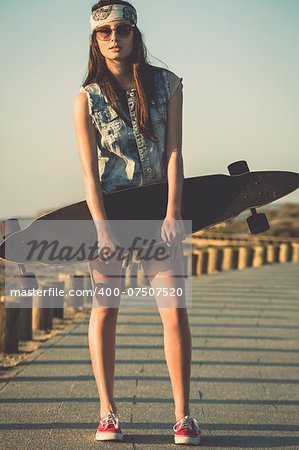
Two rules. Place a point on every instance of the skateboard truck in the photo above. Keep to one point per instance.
(26, 280)
(257, 222)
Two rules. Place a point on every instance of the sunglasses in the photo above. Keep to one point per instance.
(124, 30)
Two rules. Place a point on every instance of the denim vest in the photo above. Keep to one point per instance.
(125, 157)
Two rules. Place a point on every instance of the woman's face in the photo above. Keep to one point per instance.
(116, 48)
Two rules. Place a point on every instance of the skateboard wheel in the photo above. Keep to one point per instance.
(27, 281)
(258, 223)
(238, 168)
(8, 227)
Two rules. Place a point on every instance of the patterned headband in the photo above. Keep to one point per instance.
(110, 13)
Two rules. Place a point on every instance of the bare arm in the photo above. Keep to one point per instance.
(175, 172)
(173, 228)
(86, 139)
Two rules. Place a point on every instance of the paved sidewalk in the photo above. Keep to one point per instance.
(244, 385)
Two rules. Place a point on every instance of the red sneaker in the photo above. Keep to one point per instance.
(187, 431)
(109, 429)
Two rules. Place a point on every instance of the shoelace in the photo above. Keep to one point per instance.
(186, 422)
(110, 419)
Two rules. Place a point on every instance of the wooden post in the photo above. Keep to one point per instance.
(272, 253)
(202, 262)
(295, 252)
(78, 284)
(25, 324)
(42, 315)
(87, 286)
(58, 300)
(142, 280)
(188, 264)
(242, 263)
(214, 263)
(244, 257)
(194, 261)
(9, 328)
(228, 259)
(284, 253)
(123, 279)
(72, 283)
(259, 257)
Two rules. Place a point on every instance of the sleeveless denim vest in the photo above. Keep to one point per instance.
(125, 157)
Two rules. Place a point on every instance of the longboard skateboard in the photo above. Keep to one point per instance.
(207, 201)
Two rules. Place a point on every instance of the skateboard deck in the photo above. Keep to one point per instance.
(206, 201)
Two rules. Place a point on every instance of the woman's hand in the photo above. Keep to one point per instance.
(107, 242)
(173, 230)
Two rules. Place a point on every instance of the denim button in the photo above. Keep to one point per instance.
(149, 170)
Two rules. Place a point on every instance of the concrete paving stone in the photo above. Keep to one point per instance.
(209, 345)
(288, 415)
(248, 375)
(149, 390)
(279, 376)
(261, 440)
(21, 413)
(247, 416)
(282, 392)
(237, 313)
(242, 333)
(230, 391)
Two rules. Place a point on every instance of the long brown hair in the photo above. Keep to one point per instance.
(99, 73)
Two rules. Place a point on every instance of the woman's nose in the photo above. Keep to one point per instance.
(113, 35)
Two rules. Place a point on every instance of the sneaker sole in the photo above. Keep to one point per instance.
(109, 436)
(187, 440)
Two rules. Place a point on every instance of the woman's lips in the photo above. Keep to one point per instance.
(115, 49)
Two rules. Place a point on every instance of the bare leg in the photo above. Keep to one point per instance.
(177, 349)
(177, 335)
(101, 332)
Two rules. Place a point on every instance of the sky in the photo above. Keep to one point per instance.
(240, 68)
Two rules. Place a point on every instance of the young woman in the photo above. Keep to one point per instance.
(128, 121)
